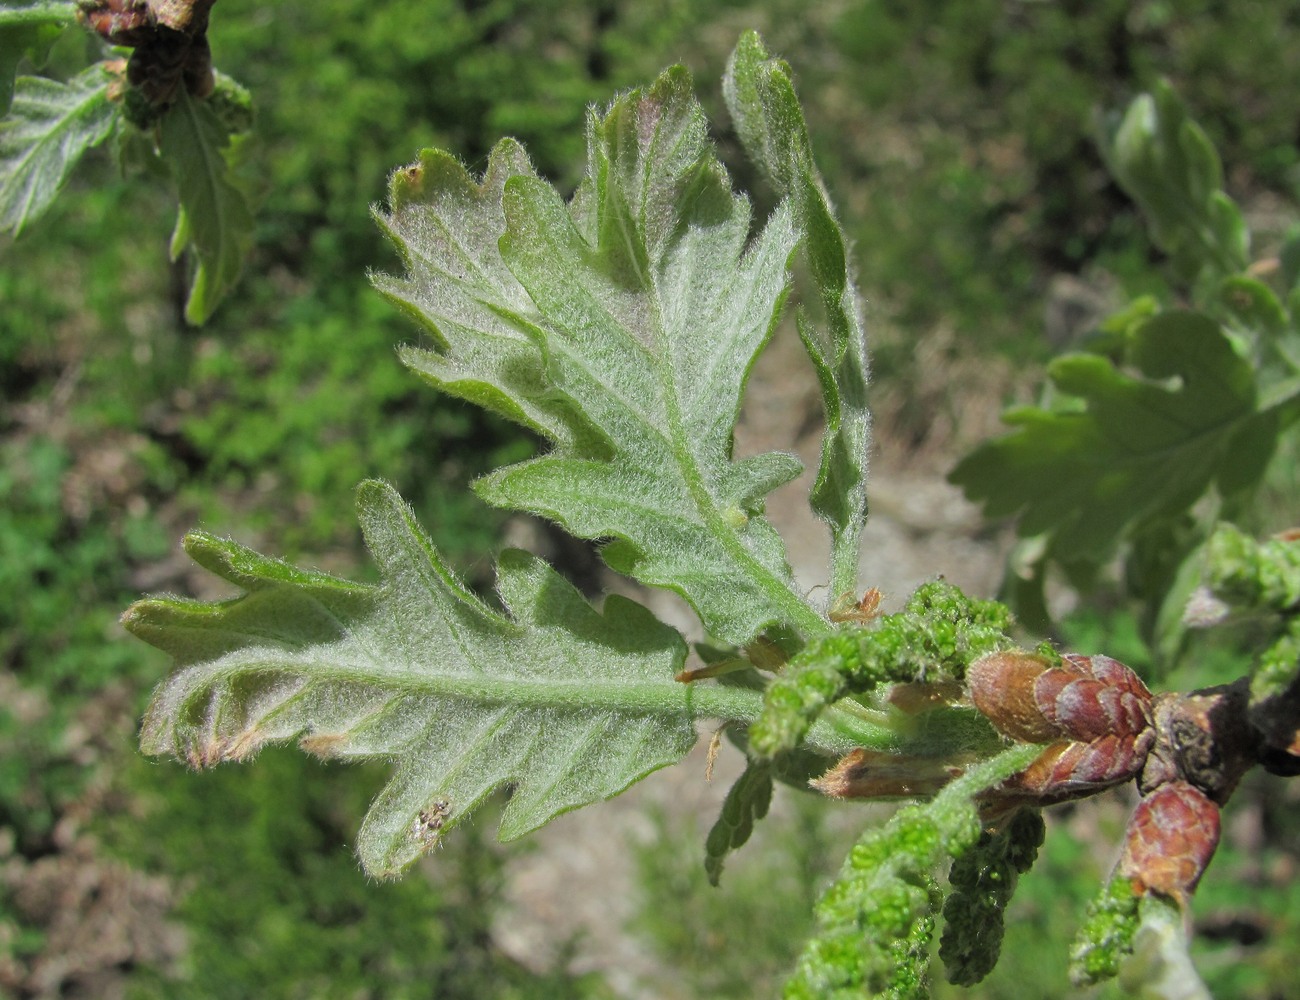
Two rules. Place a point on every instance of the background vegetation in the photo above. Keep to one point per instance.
(958, 140)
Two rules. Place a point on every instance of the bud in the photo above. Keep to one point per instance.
(1095, 712)
(1170, 840)
(119, 22)
(1084, 698)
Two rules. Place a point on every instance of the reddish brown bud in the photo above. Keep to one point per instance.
(1083, 699)
(120, 22)
(1170, 840)
(1002, 688)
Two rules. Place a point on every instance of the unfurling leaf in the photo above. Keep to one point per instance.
(49, 127)
(1164, 160)
(621, 326)
(214, 218)
(566, 705)
(760, 96)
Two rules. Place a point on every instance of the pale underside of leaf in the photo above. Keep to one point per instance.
(49, 128)
(761, 98)
(622, 326)
(561, 703)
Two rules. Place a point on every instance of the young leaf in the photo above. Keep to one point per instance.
(49, 127)
(1167, 164)
(28, 28)
(214, 217)
(567, 705)
(1143, 447)
(760, 96)
(622, 326)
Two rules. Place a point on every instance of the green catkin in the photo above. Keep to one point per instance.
(876, 922)
(1106, 937)
(936, 636)
(1251, 574)
(983, 881)
(1261, 576)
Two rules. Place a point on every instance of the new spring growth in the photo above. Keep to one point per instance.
(1245, 575)
(1106, 937)
(983, 881)
(936, 636)
(876, 921)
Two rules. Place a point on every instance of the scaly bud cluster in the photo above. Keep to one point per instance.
(171, 50)
(1094, 711)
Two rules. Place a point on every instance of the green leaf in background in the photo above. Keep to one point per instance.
(49, 127)
(28, 29)
(1143, 445)
(760, 96)
(1168, 166)
(567, 705)
(214, 218)
(623, 326)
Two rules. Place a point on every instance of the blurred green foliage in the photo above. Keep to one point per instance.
(972, 125)
(278, 908)
(958, 138)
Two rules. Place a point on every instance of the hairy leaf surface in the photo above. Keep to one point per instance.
(566, 705)
(762, 101)
(49, 127)
(621, 326)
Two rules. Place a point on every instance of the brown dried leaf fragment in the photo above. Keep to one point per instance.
(871, 774)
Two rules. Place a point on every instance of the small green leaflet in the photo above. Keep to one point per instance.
(770, 122)
(28, 29)
(622, 326)
(567, 705)
(1166, 163)
(49, 127)
(1144, 445)
(214, 217)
